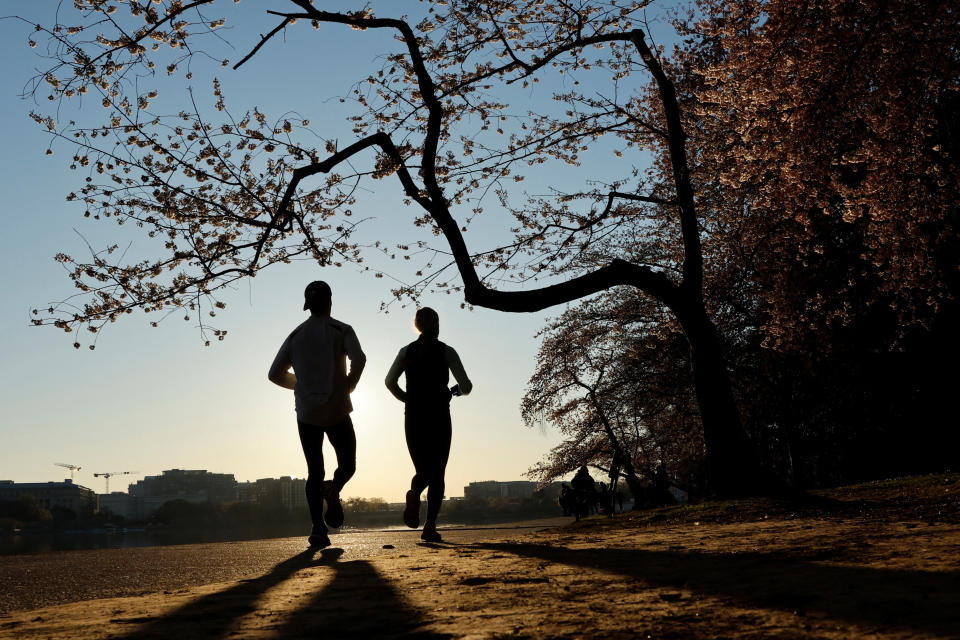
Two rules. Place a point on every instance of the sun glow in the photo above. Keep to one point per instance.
(371, 406)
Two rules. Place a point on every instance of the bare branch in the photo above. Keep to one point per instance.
(263, 41)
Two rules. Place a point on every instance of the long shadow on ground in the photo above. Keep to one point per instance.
(356, 603)
(918, 600)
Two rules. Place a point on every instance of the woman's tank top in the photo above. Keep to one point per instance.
(427, 373)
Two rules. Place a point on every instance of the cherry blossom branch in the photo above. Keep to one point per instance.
(618, 272)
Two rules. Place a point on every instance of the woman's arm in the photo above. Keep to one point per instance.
(456, 368)
(393, 376)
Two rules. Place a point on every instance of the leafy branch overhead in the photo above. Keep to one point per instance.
(229, 195)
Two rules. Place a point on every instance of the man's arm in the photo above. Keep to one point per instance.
(393, 376)
(279, 373)
(456, 368)
(358, 360)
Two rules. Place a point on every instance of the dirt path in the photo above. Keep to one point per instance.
(849, 571)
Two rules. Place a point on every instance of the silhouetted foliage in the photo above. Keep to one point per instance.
(365, 505)
(24, 509)
(828, 174)
(615, 381)
(487, 510)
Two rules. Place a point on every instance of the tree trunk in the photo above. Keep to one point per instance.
(732, 466)
(638, 490)
(633, 482)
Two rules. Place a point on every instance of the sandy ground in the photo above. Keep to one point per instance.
(876, 562)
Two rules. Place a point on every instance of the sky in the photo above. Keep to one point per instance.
(150, 399)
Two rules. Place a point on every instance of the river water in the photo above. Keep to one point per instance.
(46, 542)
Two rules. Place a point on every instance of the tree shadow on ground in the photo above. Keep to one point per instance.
(356, 602)
(924, 601)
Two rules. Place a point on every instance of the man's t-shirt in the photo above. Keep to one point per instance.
(317, 350)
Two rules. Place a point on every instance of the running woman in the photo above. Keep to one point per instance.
(427, 363)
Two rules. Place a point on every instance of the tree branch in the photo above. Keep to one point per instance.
(617, 273)
(676, 140)
(263, 41)
(168, 18)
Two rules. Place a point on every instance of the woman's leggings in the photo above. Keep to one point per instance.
(428, 434)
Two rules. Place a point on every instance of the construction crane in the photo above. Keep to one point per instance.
(72, 468)
(107, 474)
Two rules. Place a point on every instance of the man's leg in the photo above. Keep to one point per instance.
(311, 439)
(344, 441)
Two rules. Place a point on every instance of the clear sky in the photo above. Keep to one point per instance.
(149, 399)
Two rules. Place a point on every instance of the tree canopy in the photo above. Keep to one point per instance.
(823, 153)
(827, 132)
(231, 194)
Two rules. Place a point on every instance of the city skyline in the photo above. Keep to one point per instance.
(473, 484)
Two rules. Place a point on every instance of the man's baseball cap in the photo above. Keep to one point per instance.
(316, 291)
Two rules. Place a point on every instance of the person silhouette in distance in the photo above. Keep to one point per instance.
(427, 363)
(317, 351)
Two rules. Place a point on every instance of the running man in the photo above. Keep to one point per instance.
(427, 363)
(317, 351)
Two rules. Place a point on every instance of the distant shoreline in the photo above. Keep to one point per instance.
(532, 523)
(41, 542)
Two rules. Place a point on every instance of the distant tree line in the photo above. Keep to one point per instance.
(239, 514)
(488, 510)
(210, 515)
(365, 505)
(24, 510)
(361, 512)
(27, 512)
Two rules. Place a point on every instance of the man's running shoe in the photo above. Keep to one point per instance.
(318, 539)
(411, 515)
(334, 513)
(430, 533)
